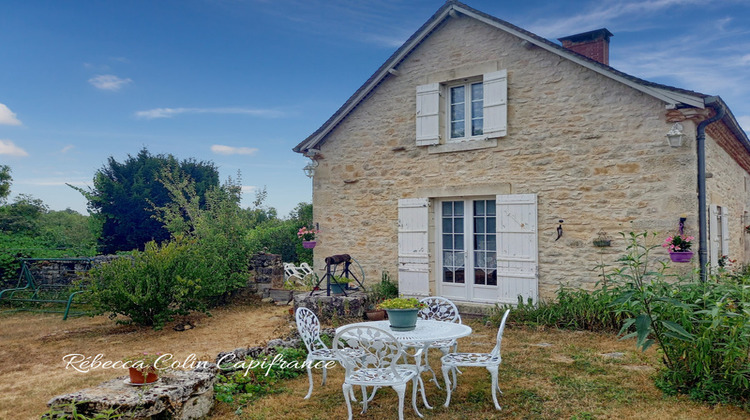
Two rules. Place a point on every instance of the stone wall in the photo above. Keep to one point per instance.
(64, 272)
(267, 271)
(592, 149)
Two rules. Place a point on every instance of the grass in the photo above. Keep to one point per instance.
(546, 373)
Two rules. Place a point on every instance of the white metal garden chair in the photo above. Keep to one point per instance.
(437, 309)
(308, 326)
(376, 366)
(491, 361)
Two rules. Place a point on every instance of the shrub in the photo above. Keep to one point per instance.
(151, 287)
(573, 309)
(702, 329)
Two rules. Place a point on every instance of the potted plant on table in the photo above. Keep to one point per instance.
(142, 368)
(307, 236)
(679, 247)
(402, 312)
(339, 284)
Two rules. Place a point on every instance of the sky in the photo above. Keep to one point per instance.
(241, 82)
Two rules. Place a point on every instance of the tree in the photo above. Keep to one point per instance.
(5, 180)
(124, 195)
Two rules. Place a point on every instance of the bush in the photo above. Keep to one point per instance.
(573, 309)
(702, 329)
(152, 286)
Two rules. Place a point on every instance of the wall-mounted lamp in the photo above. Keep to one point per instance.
(675, 135)
(310, 168)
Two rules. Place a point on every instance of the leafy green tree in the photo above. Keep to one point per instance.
(124, 195)
(5, 180)
(28, 229)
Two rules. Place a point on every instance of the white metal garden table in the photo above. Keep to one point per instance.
(426, 332)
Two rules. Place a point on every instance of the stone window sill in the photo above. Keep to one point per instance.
(462, 146)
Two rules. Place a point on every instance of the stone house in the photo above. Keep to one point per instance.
(480, 162)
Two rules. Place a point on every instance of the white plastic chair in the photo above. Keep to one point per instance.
(437, 309)
(376, 365)
(491, 361)
(308, 326)
(300, 274)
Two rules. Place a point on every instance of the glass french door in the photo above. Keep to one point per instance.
(468, 249)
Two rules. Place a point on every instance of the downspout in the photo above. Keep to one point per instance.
(700, 140)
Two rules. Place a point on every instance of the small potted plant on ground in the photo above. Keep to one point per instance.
(386, 289)
(402, 312)
(307, 236)
(339, 284)
(142, 368)
(679, 247)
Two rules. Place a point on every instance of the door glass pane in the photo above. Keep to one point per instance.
(458, 225)
(479, 225)
(479, 276)
(484, 243)
(447, 225)
(458, 208)
(479, 208)
(447, 208)
(459, 276)
(447, 275)
(492, 278)
(452, 241)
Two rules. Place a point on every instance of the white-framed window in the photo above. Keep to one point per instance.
(470, 109)
(465, 111)
(718, 233)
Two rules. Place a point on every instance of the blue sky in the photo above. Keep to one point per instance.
(241, 82)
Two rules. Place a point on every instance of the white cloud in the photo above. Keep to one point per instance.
(601, 14)
(8, 117)
(171, 112)
(744, 121)
(67, 148)
(108, 82)
(246, 189)
(229, 150)
(7, 147)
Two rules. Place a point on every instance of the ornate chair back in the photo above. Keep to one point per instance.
(374, 349)
(308, 326)
(439, 309)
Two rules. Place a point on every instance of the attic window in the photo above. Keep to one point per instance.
(465, 111)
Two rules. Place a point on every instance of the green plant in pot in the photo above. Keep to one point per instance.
(339, 284)
(385, 289)
(142, 368)
(402, 312)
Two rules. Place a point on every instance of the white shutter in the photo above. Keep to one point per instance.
(517, 253)
(725, 231)
(413, 256)
(713, 235)
(428, 111)
(496, 103)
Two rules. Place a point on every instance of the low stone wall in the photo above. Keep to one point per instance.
(183, 395)
(327, 307)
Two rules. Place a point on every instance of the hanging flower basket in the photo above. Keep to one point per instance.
(309, 244)
(681, 257)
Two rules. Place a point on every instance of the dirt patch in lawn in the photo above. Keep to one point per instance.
(32, 347)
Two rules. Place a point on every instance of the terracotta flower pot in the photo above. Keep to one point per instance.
(136, 376)
(376, 315)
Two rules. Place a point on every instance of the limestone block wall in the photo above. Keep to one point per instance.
(592, 149)
(729, 186)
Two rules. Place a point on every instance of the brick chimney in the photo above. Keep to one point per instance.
(593, 44)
